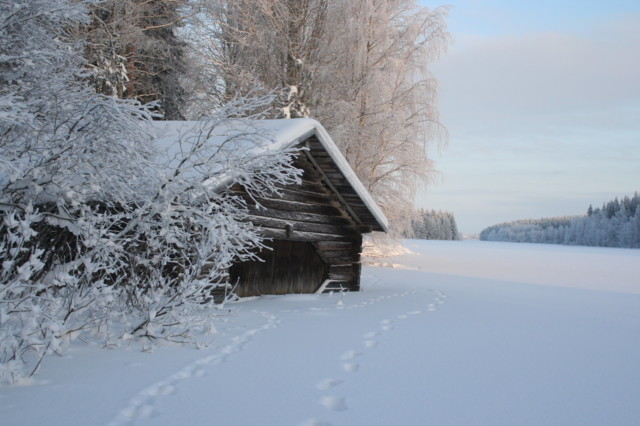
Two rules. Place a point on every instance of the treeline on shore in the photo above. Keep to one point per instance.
(615, 224)
(433, 225)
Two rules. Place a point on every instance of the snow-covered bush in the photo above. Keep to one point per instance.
(99, 235)
(177, 244)
(60, 146)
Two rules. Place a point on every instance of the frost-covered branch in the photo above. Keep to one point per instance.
(99, 232)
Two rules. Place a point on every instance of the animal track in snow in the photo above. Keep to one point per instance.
(315, 422)
(350, 367)
(349, 355)
(334, 403)
(145, 411)
(166, 390)
(144, 404)
(327, 384)
(370, 341)
(343, 302)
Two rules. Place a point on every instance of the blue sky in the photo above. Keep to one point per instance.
(542, 103)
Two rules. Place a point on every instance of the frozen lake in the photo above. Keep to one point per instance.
(456, 333)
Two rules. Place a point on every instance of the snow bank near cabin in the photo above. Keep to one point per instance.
(469, 333)
(376, 246)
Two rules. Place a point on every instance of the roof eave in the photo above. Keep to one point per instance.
(321, 134)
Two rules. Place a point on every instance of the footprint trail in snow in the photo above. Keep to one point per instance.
(144, 405)
(369, 341)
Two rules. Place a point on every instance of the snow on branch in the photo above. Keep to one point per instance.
(102, 234)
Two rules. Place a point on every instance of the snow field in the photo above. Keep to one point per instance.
(425, 342)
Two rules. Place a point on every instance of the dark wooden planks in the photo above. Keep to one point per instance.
(306, 217)
(338, 181)
(289, 267)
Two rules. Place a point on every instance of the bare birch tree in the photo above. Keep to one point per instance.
(242, 45)
(378, 98)
(361, 67)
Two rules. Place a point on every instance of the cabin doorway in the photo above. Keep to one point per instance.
(291, 267)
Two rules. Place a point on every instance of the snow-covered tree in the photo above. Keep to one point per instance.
(377, 97)
(433, 225)
(615, 224)
(360, 67)
(61, 145)
(97, 229)
(244, 44)
(133, 51)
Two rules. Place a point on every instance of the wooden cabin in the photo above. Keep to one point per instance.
(315, 229)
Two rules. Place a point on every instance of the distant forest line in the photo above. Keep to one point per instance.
(433, 225)
(615, 224)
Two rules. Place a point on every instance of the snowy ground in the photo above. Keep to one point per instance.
(459, 333)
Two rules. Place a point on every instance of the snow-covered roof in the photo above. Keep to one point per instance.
(274, 135)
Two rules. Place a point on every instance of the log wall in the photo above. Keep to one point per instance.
(289, 267)
(312, 214)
